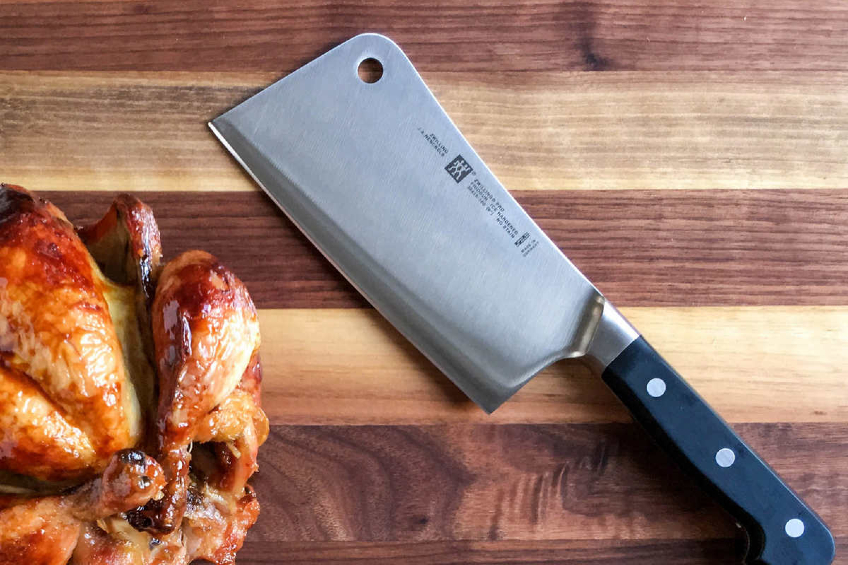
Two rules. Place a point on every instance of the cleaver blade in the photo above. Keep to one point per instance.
(379, 178)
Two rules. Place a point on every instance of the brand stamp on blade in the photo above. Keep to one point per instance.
(434, 142)
(459, 168)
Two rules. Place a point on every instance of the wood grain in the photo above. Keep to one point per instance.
(529, 35)
(755, 364)
(641, 248)
(537, 552)
(537, 131)
(515, 482)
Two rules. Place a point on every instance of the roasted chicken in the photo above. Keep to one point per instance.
(130, 416)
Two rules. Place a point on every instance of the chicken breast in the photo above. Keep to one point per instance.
(67, 398)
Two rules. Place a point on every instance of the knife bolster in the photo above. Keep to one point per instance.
(612, 336)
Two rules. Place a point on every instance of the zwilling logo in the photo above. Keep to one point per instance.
(458, 169)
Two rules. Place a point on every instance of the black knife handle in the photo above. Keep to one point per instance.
(781, 529)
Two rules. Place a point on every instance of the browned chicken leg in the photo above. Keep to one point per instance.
(206, 331)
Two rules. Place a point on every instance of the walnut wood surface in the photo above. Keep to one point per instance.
(537, 131)
(528, 35)
(536, 552)
(374, 456)
(477, 483)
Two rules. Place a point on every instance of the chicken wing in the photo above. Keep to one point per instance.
(45, 530)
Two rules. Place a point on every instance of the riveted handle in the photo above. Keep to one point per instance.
(781, 528)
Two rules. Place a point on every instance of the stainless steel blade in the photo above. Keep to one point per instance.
(380, 179)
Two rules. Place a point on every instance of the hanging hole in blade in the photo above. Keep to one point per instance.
(370, 70)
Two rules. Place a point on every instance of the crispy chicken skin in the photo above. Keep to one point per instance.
(127, 247)
(102, 348)
(45, 530)
(66, 402)
(205, 332)
(236, 428)
(95, 546)
(126, 244)
(205, 538)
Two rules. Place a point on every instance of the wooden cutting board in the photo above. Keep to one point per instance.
(701, 181)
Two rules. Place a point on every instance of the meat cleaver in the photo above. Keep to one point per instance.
(380, 179)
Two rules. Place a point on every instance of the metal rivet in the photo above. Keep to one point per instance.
(794, 528)
(725, 457)
(656, 387)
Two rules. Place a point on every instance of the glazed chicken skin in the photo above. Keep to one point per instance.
(45, 530)
(206, 334)
(130, 416)
(66, 396)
